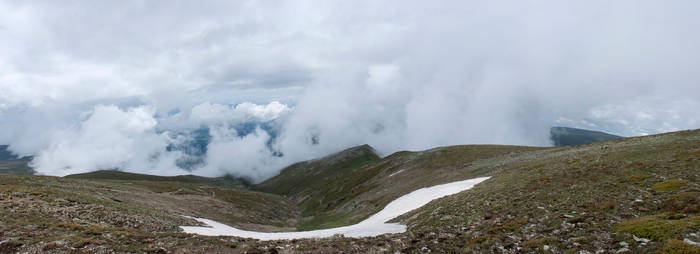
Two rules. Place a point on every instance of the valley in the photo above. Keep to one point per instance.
(637, 194)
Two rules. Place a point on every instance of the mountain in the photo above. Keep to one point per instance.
(349, 186)
(12, 164)
(6, 154)
(322, 184)
(228, 181)
(637, 195)
(565, 136)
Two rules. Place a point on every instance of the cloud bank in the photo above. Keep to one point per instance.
(248, 87)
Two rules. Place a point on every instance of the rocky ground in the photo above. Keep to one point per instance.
(637, 195)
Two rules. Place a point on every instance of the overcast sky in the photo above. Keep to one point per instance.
(88, 85)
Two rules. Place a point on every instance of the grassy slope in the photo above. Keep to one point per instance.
(590, 197)
(223, 182)
(16, 166)
(584, 199)
(319, 186)
(304, 177)
(347, 191)
(35, 207)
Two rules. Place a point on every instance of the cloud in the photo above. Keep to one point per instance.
(109, 138)
(228, 153)
(244, 112)
(306, 78)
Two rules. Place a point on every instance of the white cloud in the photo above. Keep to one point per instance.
(241, 156)
(108, 138)
(394, 74)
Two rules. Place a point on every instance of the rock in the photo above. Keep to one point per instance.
(642, 240)
(545, 247)
(623, 250)
(691, 242)
(624, 244)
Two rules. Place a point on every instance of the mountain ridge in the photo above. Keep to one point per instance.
(594, 197)
(567, 136)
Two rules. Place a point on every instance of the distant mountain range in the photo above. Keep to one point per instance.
(6, 154)
(195, 149)
(12, 164)
(565, 136)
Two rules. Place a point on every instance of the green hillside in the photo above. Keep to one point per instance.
(636, 195)
(333, 192)
(16, 166)
(227, 181)
(595, 197)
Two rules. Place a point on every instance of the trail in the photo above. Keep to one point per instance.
(372, 226)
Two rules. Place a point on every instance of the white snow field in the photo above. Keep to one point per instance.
(372, 226)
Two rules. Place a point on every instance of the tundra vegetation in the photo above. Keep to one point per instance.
(637, 195)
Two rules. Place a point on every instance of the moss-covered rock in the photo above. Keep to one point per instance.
(638, 177)
(679, 247)
(656, 228)
(670, 185)
(684, 202)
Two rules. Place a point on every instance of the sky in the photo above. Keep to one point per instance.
(88, 85)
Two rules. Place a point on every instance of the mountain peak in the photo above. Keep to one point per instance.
(348, 154)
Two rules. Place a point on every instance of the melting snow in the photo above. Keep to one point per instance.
(372, 226)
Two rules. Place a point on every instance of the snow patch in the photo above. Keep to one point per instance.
(372, 226)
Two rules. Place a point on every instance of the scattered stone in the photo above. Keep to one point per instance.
(624, 244)
(545, 247)
(623, 250)
(639, 239)
(688, 241)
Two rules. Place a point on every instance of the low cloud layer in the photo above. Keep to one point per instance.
(90, 85)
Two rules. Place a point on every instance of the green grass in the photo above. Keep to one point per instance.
(679, 247)
(684, 202)
(638, 178)
(669, 185)
(16, 166)
(579, 194)
(334, 192)
(572, 199)
(222, 182)
(655, 228)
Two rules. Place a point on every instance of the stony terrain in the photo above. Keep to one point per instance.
(635, 195)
